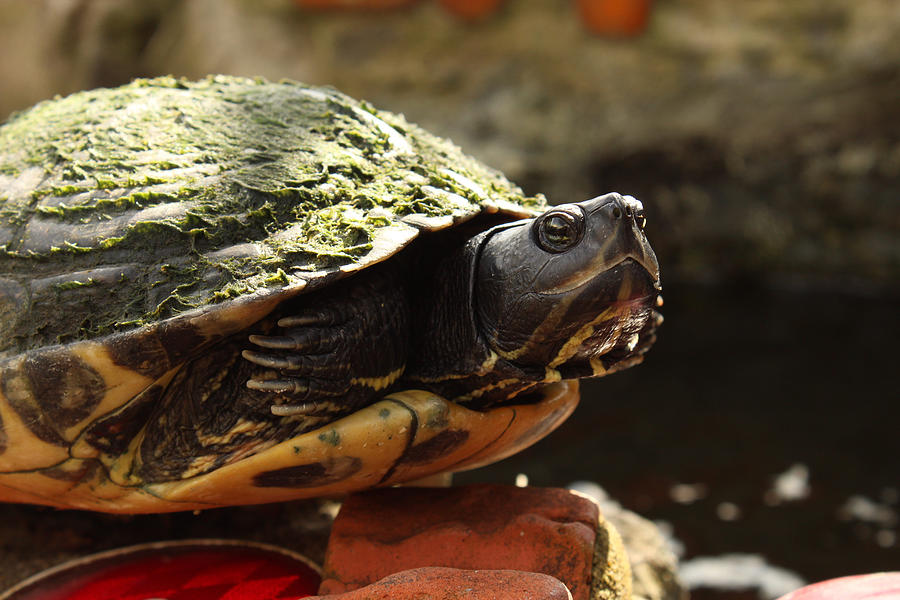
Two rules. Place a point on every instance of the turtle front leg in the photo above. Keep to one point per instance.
(337, 354)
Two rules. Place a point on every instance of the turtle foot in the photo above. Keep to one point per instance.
(334, 354)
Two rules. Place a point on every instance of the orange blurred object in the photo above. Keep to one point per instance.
(608, 17)
(471, 10)
(354, 4)
(615, 17)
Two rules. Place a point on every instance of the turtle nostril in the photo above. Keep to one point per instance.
(616, 212)
(640, 219)
(627, 210)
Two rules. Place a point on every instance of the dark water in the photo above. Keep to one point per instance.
(742, 385)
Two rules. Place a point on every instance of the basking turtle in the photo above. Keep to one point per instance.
(217, 293)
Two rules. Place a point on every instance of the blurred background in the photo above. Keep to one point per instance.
(764, 140)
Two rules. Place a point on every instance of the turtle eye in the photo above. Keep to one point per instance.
(559, 230)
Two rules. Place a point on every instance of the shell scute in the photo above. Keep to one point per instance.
(174, 176)
(113, 433)
(311, 475)
(52, 392)
(146, 226)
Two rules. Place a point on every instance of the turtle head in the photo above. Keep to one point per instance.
(573, 289)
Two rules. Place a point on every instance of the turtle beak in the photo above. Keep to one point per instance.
(624, 227)
(638, 247)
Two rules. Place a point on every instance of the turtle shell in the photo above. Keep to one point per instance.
(141, 225)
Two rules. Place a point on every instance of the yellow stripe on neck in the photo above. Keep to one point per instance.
(379, 383)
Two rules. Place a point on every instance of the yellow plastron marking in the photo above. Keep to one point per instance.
(379, 383)
(25, 451)
(374, 441)
(368, 448)
(81, 448)
(123, 384)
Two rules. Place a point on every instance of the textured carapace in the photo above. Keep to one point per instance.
(233, 291)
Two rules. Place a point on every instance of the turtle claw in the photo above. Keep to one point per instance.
(334, 315)
(279, 386)
(307, 364)
(299, 387)
(299, 321)
(307, 341)
(290, 410)
(274, 342)
(263, 360)
(288, 362)
(334, 355)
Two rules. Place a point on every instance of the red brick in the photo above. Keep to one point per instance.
(539, 530)
(441, 583)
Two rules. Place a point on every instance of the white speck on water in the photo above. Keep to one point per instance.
(886, 538)
(521, 480)
(668, 533)
(864, 509)
(739, 572)
(688, 493)
(728, 511)
(790, 486)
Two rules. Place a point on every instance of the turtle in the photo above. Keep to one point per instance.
(235, 291)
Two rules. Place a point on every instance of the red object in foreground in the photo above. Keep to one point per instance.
(474, 527)
(877, 586)
(185, 570)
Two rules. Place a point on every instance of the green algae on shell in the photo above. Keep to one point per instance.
(123, 207)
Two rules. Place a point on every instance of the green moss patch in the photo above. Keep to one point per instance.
(165, 175)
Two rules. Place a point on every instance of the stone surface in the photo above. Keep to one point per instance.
(541, 530)
(654, 566)
(441, 583)
(876, 586)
